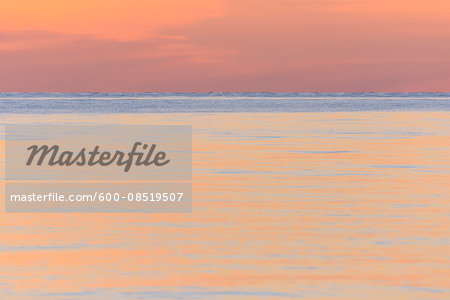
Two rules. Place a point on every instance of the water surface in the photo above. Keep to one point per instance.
(295, 196)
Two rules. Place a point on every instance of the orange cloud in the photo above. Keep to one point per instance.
(225, 45)
(104, 18)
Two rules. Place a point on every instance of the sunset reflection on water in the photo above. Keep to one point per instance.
(289, 205)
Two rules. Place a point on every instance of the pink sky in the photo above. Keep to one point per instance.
(224, 45)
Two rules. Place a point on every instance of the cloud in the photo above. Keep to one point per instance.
(125, 20)
(223, 45)
(44, 61)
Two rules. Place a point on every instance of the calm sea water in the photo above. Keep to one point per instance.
(316, 196)
(50, 103)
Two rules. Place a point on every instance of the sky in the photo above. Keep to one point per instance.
(225, 46)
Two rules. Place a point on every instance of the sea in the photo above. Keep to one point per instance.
(295, 196)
